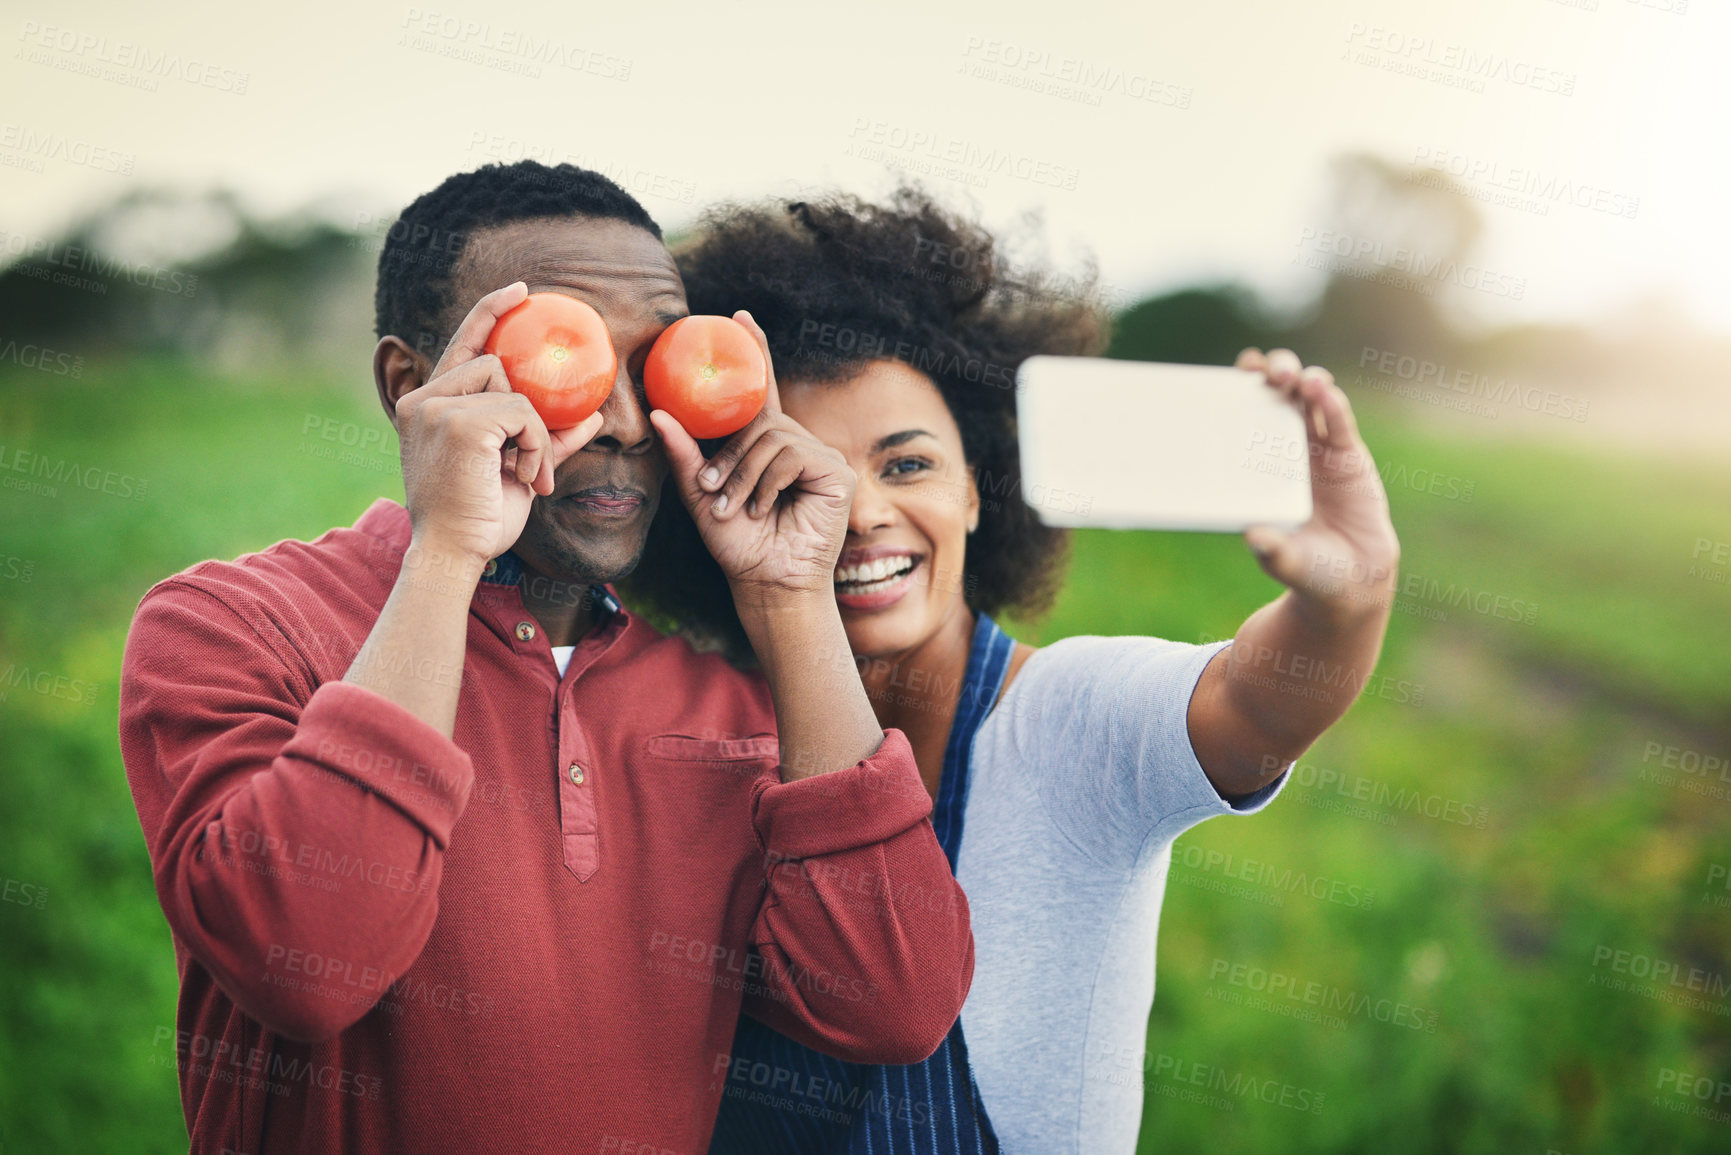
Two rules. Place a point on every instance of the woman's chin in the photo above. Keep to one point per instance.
(882, 635)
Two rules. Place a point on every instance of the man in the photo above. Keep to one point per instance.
(460, 855)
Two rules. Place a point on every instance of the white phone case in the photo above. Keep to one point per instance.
(1140, 445)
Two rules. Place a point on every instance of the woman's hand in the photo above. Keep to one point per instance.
(1344, 559)
(771, 505)
(1297, 664)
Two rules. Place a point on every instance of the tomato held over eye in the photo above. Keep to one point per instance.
(556, 352)
(709, 373)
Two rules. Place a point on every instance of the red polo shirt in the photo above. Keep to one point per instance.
(536, 937)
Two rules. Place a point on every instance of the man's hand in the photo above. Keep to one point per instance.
(1342, 561)
(772, 504)
(474, 452)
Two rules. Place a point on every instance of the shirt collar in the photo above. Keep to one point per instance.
(387, 521)
(507, 570)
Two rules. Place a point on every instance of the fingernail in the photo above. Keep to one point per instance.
(710, 476)
(720, 505)
(751, 507)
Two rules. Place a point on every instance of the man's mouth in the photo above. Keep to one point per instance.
(872, 579)
(607, 500)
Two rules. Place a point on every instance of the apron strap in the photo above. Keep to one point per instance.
(925, 1108)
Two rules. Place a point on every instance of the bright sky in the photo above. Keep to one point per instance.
(1183, 140)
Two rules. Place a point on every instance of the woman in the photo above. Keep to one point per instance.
(895, 332)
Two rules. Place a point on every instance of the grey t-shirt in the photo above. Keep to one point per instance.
(1081, 779)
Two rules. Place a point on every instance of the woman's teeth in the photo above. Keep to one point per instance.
(873, 575)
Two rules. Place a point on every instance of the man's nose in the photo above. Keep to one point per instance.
(625, 418)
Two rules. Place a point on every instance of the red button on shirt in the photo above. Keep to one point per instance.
(535, 937)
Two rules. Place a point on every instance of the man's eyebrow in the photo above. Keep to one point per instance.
(891, 440)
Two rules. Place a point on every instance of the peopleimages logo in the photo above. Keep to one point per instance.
(1327, 998)
(1458, 65)
(504, 49)
(41, 358)
(732, 967)
(1266, 874)
(1527, 186)
(24, 894)
(136, 65)
(1390, 799)
(35, 147)
(805, 1093)
(1420, 271)
(1066, 77)
(231, 1061)
(872, 139)
(254, 844)
(46, 683)
(1423, 372)
(854, 345)
(1661, 979)
(1157, 1067)
(61, 263)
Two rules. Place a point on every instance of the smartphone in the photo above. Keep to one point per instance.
(1140, 445)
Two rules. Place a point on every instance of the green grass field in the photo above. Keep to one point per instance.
(1485, 831)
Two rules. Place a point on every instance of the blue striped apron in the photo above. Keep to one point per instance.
(808, 1103)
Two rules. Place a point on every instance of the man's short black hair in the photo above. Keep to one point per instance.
(413, 296)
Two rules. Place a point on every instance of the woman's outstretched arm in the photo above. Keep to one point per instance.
(1299, 662)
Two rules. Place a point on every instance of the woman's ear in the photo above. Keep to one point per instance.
(973, 500)
(397, 369)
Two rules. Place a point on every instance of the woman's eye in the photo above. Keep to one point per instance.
(905, 465)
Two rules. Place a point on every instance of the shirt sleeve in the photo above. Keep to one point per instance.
(293, 829)
(1107, 721)
(864, 932)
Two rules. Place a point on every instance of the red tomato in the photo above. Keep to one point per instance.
(556, 352)
(709, 373)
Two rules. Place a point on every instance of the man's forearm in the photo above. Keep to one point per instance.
(1293, 669)
(909, 948)
(414, 654)
(247, 777)
(822, 714)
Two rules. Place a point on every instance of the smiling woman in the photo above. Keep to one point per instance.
(1072, 768)
(912, 292)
